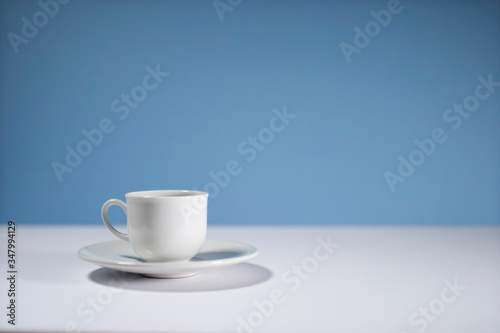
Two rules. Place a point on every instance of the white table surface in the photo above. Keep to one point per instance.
(376, 280)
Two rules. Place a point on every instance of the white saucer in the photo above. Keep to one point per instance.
(121, 256)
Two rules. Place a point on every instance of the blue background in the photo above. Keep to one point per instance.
(327, 166)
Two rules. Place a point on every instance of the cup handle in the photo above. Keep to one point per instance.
(104, 213)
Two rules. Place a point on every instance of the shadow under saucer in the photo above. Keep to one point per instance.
(224, 278)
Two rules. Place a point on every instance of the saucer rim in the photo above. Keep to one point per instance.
(198, 265)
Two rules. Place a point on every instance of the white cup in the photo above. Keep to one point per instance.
(167, 225)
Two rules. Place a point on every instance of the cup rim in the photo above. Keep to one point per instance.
(165, 194)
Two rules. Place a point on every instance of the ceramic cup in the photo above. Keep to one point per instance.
(167, 225)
